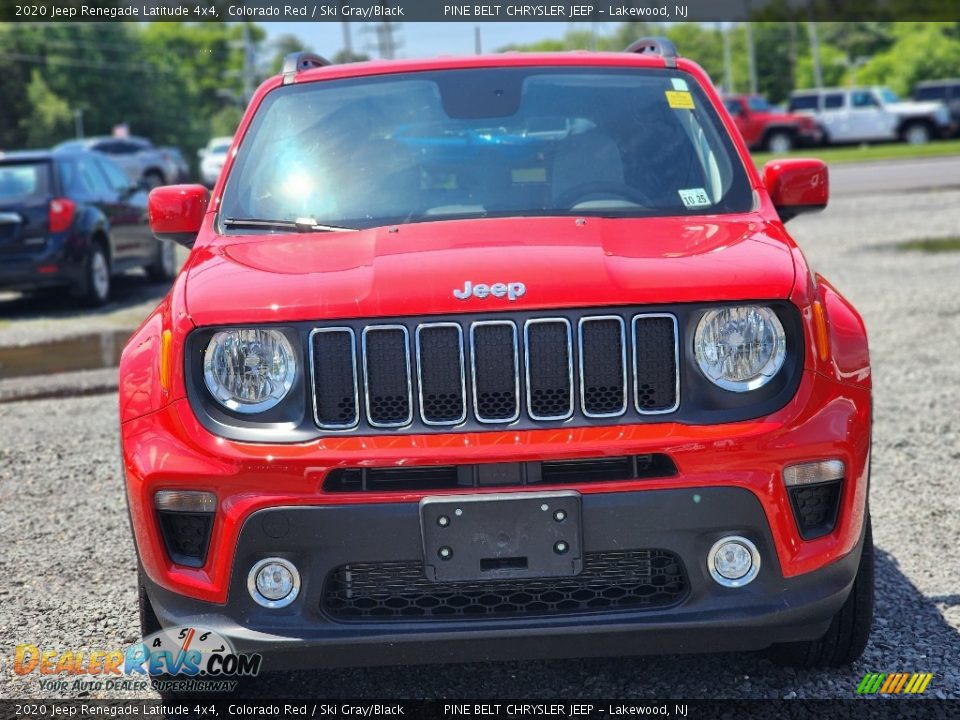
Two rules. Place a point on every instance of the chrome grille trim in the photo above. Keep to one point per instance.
(623, 361)
(516, 371)
(463, 373)
(676, 363)
(366, 374)
(313, 379)
(526, 363)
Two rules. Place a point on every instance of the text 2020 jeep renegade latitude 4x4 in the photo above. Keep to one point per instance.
(498, 357)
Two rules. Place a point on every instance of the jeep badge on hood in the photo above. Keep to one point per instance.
(511, 291)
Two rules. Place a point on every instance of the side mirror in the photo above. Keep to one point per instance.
(176, 212)
(797, 186)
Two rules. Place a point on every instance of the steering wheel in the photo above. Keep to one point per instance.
(581, 193)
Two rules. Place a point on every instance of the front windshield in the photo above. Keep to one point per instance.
(220, 149)
(758, 104)
(887, 96)
(486, 143)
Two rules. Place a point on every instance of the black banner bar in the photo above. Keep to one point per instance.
(473, 12)
(217, 709)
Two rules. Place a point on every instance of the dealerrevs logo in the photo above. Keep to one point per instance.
(178, 658)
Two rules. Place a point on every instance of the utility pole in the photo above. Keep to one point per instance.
(727, 57)
(249, 64)
(477, 43)
(815, 53)
(387, 44)
(814, 46)
(78, 123)
(751, 53)
(347, 42)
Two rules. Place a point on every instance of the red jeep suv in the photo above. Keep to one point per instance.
(765, 128)
(493, 357)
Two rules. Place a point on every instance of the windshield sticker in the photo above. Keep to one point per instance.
(679, 84)
(679, 100)
(694, 197)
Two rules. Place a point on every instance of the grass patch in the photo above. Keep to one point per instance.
(931, 245)
(868, 153)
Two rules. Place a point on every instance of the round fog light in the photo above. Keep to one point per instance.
(733, 561)
(274, 582)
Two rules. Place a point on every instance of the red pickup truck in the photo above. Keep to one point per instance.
(764, 128)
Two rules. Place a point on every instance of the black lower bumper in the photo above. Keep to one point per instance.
(685, 522)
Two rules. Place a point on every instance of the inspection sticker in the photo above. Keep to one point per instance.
(679, 100)
(694, 197)
(679, 84)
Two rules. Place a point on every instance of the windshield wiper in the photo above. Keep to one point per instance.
(299, 225)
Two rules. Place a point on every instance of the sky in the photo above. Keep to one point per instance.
(426, 39)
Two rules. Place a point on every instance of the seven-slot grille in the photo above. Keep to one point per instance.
(493, 372)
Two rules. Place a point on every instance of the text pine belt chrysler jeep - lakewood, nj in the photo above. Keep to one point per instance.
(499, 357)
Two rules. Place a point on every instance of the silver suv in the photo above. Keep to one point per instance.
(854, 115)
(137, 156)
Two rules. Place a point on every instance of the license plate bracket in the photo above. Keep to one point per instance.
(501, 536)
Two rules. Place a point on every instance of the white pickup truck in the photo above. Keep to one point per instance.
(855, 115)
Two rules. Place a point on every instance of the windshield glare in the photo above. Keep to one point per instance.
(486, 143)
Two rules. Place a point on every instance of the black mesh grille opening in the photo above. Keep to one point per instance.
(495, 371)
(186, 536)
(602, 367)
(388, 376)
(656, 360)
(630, 467)
(623, 580)
(548, 370)
(815, 508)
(387, 479)
(558, 472)
(333, 378)
(441, 374)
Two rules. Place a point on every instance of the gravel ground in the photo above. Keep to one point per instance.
(68, 567)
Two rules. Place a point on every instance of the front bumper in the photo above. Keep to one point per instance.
(734, 468)
(686, 521)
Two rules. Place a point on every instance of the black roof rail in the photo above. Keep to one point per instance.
(656, 46)
(298, 61)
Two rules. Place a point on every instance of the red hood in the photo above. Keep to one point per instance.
(414, 270)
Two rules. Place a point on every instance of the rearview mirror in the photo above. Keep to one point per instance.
(797, 186)
(176, 212)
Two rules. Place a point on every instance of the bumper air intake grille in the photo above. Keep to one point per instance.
(186, 536)
(452, 477)
(815, 507)
(610, 581)
(477, 374)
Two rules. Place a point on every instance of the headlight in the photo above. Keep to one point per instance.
(249, 370)
(740, 348)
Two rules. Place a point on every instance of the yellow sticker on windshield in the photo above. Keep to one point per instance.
(679, 100)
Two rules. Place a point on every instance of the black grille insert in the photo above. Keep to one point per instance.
(655, 363)
(603, 367)
(616, 580)
(451, 477)
(549, 369)
(815, 507)
(386, 365)
(335, 377)
(440, 365)
(495, 371)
